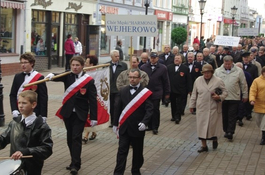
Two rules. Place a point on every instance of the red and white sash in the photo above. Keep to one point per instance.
(74, 88)
(34, 76)
(133, 105)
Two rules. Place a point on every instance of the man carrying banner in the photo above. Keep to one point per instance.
(133, 111)
(29, 75)
(80, 95)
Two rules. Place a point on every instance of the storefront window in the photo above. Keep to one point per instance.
(70, 25)
(7, 33)
(38, 33)
(226, 29)
(104, 43)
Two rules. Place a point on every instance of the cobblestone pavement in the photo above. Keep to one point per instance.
(172, 152)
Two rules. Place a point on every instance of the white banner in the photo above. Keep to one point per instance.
(248, 32)
(131, 25)
(101, 77)
(226, 40)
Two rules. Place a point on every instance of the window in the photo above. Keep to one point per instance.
(70, 25)
(7, 38)
(38, 33)
(105, 40)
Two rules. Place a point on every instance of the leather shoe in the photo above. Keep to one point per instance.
(203, 149)
(177, 121)
(68, 167)
(155, 131)
(229, 136)
(262, 142)
(111, 125)
(73, 171)
(225, 136)
(172, 119)
(248, 117)
(240, 123)
(215, 144)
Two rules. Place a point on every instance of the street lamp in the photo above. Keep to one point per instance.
(233, 11)
(202, 5)
(146, 4)
(255, 14)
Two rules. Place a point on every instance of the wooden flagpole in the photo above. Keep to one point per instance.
(65, 73)
(23, 157)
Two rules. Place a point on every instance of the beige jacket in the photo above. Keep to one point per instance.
(235, 82)
(123, 79)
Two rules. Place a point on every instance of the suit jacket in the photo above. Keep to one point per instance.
(169, 60)
(220, 59)
(120, 52)
(236, 56)
(211, 61)
(252, 69)
(261, 60)
(113, 76)
(180, 81)
(142, 114)
(158, 80)
(185, 57)
(81, 102)
(195, 71)
(42, 106)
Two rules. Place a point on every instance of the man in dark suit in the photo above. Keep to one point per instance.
(80, 97)
(132, 122)
(159, 85)
(235, 54)
(167, 56)
(261, 56)
(196, 49)
(253, 70)
(209, 58)
(195, 71)
(184, 52)
(116, 67)
(220, 56)
(200, 59)
(118, 47)
(29, 75)
(254, 50)
(144, 59)
(180, 83)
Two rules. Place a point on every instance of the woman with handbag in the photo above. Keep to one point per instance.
(208, 92)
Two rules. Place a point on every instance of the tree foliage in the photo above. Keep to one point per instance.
(179, 35)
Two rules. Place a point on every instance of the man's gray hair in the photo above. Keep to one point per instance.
(191, 53)
(228, 58)
(136, 70)
(113, 51)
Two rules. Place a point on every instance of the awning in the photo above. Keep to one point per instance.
(12, 4)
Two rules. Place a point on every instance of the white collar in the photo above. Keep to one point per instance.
(30, 119)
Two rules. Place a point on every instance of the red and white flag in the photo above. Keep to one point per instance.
(101, 77)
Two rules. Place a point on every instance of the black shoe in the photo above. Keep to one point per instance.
(84, 140)
(215, 144)
(203, 149)
(155, 131)
(177, 121)
(262, 142)
(172, 119)
(240, 123)
(111, 125)
(166, 104)
(93, 136)
(248, 117)
(182, 113)
(229, 136)
(225, 136)
(74, 171)
(193, 113)
(68, 167)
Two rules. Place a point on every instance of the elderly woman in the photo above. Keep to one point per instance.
(208, 92)
(257, 98)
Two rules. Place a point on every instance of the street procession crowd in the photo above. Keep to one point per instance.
(219, 84)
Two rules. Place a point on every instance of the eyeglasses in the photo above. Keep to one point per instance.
(133, 77)
(26, 62)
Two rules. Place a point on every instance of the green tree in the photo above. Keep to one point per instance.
(179, 35)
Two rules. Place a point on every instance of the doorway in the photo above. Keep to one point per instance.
(55, 45)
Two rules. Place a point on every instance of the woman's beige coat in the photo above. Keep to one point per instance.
(208, 111)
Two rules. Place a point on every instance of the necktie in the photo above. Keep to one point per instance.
(190, 63)
(23, 123)
(76, 76)
(133, 87)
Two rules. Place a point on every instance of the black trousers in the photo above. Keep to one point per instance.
(155, 119)
(241, 110)
(229, 109)
(75, 128)
(137, 157)
(176, 105)
(184, 102)
(112, 101)
(67, 61)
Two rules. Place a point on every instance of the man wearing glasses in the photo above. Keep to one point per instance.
(29, 75)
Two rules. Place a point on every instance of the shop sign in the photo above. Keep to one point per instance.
(162, 15)
(226, 40)
(108, 10)
(131, 25)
